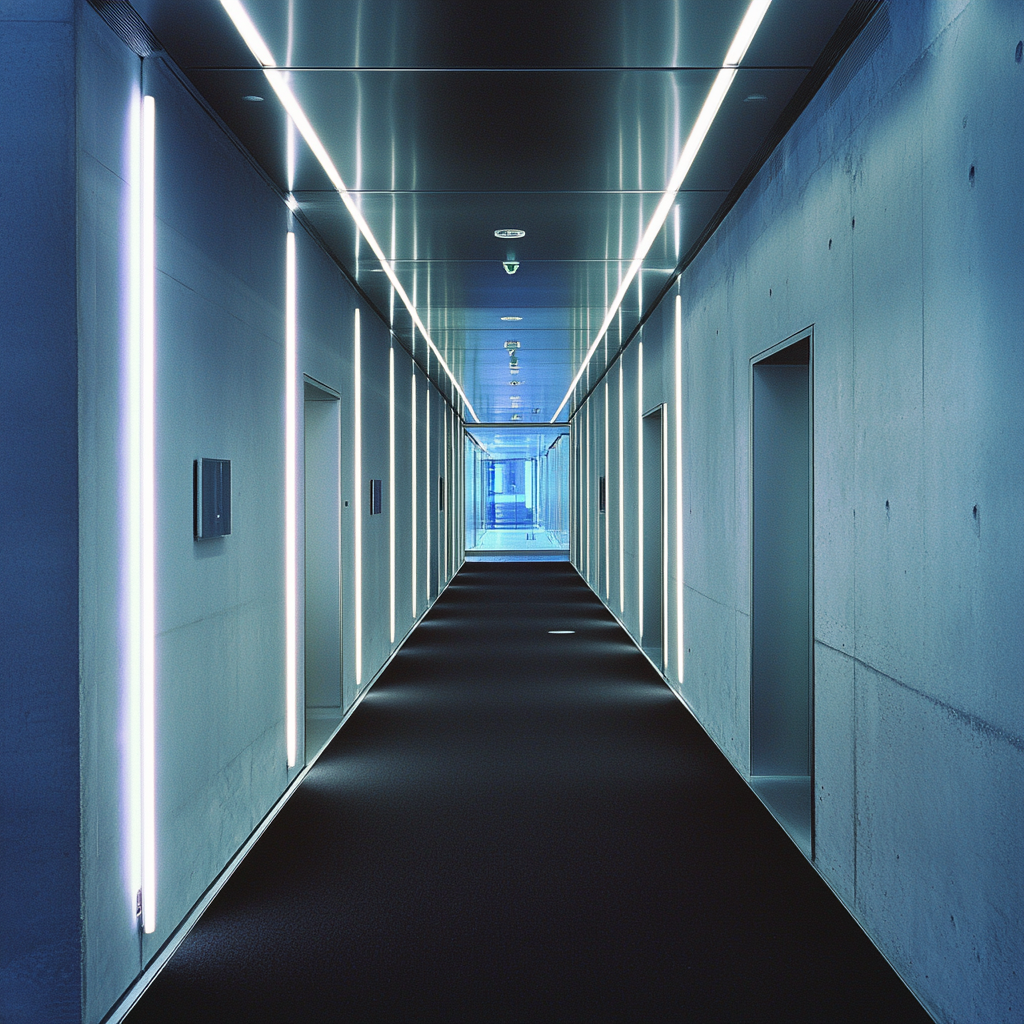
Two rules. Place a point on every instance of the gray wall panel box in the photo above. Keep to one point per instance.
(212, 505)
(375, 497)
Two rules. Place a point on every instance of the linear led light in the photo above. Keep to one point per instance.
(720, 87)
(412, 516)
(147, 495)
(640, 487)
(622, 502)
(607, 504)
(391, 483)
(680, 646)
(279, 82)
(426, 494)
(291, 530)
(357, 357)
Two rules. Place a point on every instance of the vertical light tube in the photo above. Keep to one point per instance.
(680, 645)
(358, 491)
(640, 484)
(622, 497)
(133, 518)
(607, 503)
(147, 524)
(413, 518)
(291, 497)
(428, 493)
(587, 497)
(443, 576)
(391, 483)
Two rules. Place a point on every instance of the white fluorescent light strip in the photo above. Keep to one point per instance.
(748, 27)
(147, 553)
(391, 483)
(426, 495)
(291, 530)
(622, 502)
(607, 503)
(360, 494)
(278, 82)
(680, 645)
(134, 521)
(640, 487)
(412, 515)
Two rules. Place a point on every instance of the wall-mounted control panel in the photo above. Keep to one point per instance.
(211, 483)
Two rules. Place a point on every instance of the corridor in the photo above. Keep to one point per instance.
(518, 824)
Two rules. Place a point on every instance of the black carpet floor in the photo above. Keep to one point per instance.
(519, 826)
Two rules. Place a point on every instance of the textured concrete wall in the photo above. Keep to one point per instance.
(890, 221)
(221, 761)
(39, 857)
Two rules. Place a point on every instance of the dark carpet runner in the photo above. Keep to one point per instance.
(519, 826)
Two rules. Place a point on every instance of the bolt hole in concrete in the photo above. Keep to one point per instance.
(970, 176)
(1018, 55)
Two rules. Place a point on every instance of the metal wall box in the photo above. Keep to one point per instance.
(211, 514)
(375, 497)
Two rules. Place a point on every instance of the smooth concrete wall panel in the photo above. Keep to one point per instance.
(973, 370)
(939, 848)
(887, 296)
(915, 309)
(39, 693)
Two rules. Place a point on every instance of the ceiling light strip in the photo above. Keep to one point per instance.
(723, 80)
(278, 81)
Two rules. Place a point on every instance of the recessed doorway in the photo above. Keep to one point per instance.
(652, 617)
(322, 520)
(782, 565)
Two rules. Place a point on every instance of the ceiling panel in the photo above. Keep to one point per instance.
(448, 119)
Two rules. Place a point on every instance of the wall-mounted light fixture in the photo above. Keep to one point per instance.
(291, 497)
(357, 368)
(680, 644)
(147, 568)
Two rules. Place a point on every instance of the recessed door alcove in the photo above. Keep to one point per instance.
(653, 526)
(781, 579)
(322, 521)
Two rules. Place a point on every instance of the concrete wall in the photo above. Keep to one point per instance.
(890, 222)
(39, 576)
(221, 232)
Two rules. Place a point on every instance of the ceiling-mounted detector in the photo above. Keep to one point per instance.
(511, 345)
(515, 383)
(509, 233)
(511, 266)
(511, 318)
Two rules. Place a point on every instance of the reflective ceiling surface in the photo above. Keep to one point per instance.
(448, 120)
(510, 443)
